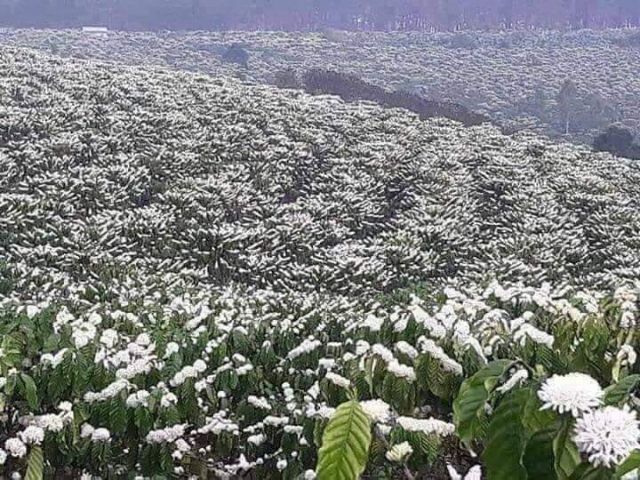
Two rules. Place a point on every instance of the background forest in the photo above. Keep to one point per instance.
(313, 14)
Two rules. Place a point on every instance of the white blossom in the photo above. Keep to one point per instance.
(427, 426)
(15, 447)
(378, 410)
(399, 452)
(338, 380)
(607, 436)
(32, 435)
(574, 393)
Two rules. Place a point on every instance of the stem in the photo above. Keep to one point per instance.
(407, 473)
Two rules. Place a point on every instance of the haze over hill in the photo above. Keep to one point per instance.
(568, 85)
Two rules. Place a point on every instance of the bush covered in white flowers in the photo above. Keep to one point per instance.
(202, 278)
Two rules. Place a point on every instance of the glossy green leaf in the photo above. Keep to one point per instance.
(470, 401)
(619, 392)
(629, 465)
(566, 456)
(345, 444)
(538, 455)
(506, 439)
(30, 391)
(35, 464)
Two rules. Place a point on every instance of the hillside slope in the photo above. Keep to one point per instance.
(109, 167)
(195, 274)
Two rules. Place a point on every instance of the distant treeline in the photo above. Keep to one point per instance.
(405, 15)
(351, 88)
(616, 139)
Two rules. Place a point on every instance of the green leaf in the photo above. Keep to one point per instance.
(619, 392)
(535, 419)
(433, 377)
(30, 391)
(566, 456)
(117, 416)
(588, 472)
(506, 439)
(629, 465)
(427, 445)
(474, 392)
(10, 386)
(345, 444)
(538, 454)
(35, 464)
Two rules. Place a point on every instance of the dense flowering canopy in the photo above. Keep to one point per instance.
(197, 271)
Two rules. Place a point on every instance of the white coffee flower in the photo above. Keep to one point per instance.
(407, 349)
(166, 435)
(474, 473)
(168, 400)
(528, 331)
(338, 380)
(383, 352)
(378, 410)
(32, 435)
(399, 452)
(172, 347)
(427, 426)
(607, 436)
(138, 399)
(109, 338)
(50, 421)
(143, 340)
(516, 379)
(306, 346)
(15, 447)
(257, 439)
(258, 402)
(200, 366)
(575, 392)
(399, 370)
(86, 430)
(627, 355)
(182, 445)
(101, 435)
(373, 323)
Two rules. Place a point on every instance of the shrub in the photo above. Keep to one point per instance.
(617, 140)
(236, 54)
(287, 78)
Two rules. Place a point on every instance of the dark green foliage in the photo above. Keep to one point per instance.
(619, 141)
(351, 88)
(236, 54)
